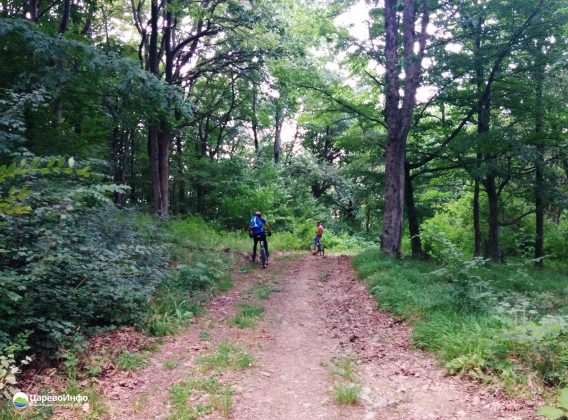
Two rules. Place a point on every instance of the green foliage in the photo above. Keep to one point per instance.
(77, 265)
(9, 368)
(72, 266)
(96, 363)
(554, 413)
(195, 232)
(11, 202)
(131, 361)
(76, 75)
(180, 294)
(555, 238)
(235, 191)
(480, 320)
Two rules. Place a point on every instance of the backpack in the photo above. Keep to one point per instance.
(256, 224)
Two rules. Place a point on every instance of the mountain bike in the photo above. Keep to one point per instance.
(263, 251)
(317, 250)
(263, 254)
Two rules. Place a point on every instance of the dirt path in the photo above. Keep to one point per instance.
(319, 314)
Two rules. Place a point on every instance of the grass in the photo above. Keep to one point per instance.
(346, 388)
(227, 357)
(217, 397)
(96, 401)
(96, 363)
(223, 400)
(153, 346)
(346, 393)
(247, 314)
(131, 361)
(343, 367)
(170, 364)
(141, 403)
(204, 336)
(7, 412)
(261, 291)
(247, 267)
(484, 321)
(208, 393)
(194, 232)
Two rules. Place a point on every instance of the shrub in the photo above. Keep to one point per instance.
(180, 294)
(73, 265)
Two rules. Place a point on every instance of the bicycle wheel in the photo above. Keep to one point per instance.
(313, 249)
(263, 256)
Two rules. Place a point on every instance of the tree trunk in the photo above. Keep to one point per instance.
(398, 113)
(255, 123)
(58, 106)
(118, 150)
(291, 146)
(391, 239)
(154, 136)
(132, 167)
(539, 184)
(203, 133)
(413, 223)
(33, 10)
(477, 248)
(63, 23)
(539, 208)
(494, 247)
(278, 121)
(164, 139)
(180, 172)
(153, 153)
(482, 126)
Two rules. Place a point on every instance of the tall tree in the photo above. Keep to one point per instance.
(398, 111)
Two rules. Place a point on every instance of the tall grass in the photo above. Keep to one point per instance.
(194, 232)
(482, 320)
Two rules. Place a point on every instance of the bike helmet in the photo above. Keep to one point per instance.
(257, 213)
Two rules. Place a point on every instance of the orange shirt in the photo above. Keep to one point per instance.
(319, 230)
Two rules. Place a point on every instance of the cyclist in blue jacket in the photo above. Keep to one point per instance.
(258, 233)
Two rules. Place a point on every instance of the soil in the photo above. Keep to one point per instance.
(318, 312)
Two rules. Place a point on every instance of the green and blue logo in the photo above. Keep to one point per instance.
(20, 400)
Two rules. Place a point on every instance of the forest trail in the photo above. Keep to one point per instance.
(320, 328)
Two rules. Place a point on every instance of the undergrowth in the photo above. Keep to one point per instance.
(481, 320)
